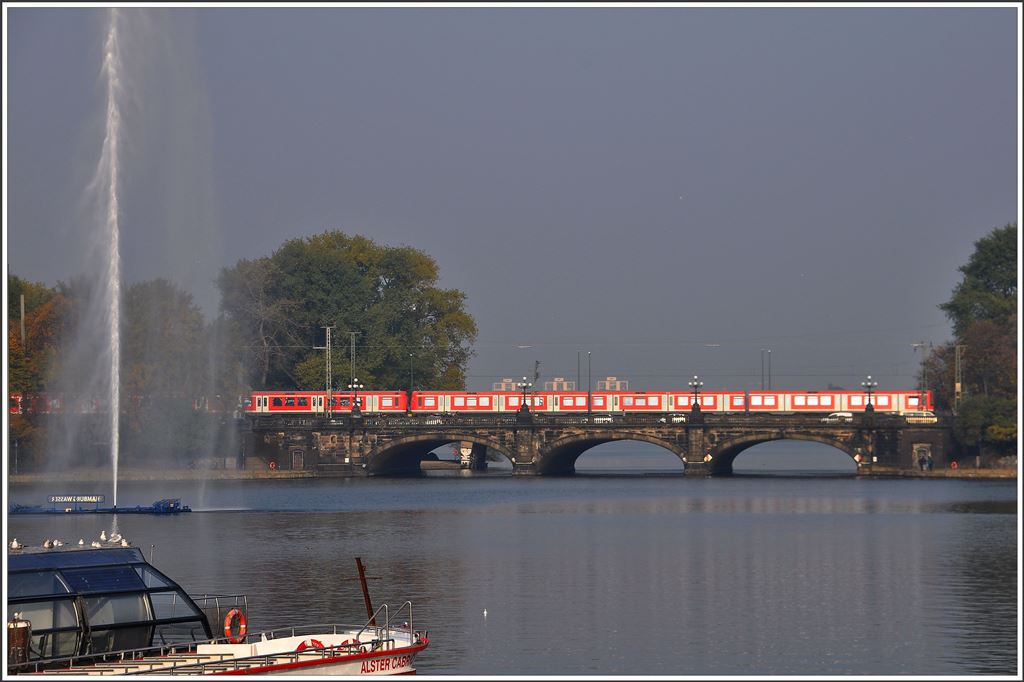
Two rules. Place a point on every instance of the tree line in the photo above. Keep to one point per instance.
(974, 375)
(268, 334)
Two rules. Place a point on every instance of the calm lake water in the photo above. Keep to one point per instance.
(609, 574)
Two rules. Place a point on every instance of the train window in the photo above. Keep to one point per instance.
(459, 402)
(277, 402)
(882, 400)
(345, 402)
(627, 401)
(289, 402)
(471, 402)
(769, 401)
(429, 401)
(303, 402)
(599, 401)
(387, 402)
(485, 401)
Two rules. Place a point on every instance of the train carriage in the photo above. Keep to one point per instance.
(568, 402)
(315, 402)
(683, 402)
(642, 401)
(540, 402)
(472, 402)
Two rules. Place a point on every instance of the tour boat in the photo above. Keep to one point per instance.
(72, 504)
(80, 610)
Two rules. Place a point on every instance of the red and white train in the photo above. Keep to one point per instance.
(486, 402)
(575, 402)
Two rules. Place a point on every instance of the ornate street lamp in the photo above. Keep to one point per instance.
(354, 387)
(869, 388)
(695, 385)
(524, 386)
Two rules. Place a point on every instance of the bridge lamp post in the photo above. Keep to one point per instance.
(354, 387)
(524, 386)
(869, 388)
(695, 385)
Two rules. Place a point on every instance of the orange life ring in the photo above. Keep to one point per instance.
(310, 644)
(273, 465)
(229, 620)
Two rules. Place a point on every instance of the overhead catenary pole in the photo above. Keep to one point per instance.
(327, 368)
(589, 393)
(352, 372)
(959, 378)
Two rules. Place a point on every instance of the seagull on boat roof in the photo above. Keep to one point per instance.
(47, 544)
(125, 543)
(96, 543)
(103, 535)
(58, 543)
(81, 541)
(15, 544)
(116, 537)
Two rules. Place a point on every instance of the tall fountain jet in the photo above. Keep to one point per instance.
(107, 179)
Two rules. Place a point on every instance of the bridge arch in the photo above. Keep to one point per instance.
(559, 457)
(724, 453)
(403, 455)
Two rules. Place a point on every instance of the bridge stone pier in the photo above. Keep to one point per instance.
(537, 444)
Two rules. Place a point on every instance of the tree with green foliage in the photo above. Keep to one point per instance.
(162, 341)
(983, 310)
(277, 306)
(988, 290)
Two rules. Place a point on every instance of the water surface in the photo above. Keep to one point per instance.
(606, 574)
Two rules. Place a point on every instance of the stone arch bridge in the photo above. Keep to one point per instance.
(706, 444)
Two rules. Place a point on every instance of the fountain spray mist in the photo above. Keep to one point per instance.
(107, 173)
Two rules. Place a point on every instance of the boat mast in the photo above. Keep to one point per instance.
(366, 592)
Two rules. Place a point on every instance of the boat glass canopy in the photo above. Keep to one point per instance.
(91, 601)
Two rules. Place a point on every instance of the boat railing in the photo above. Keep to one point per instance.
(216, 608)
(161, 656)
(383, 633)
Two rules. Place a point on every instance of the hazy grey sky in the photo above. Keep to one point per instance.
(636, 182)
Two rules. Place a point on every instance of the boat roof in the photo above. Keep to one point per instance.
(37, 558)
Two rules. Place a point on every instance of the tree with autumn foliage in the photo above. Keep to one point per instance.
(31, 360)
(983, 310)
